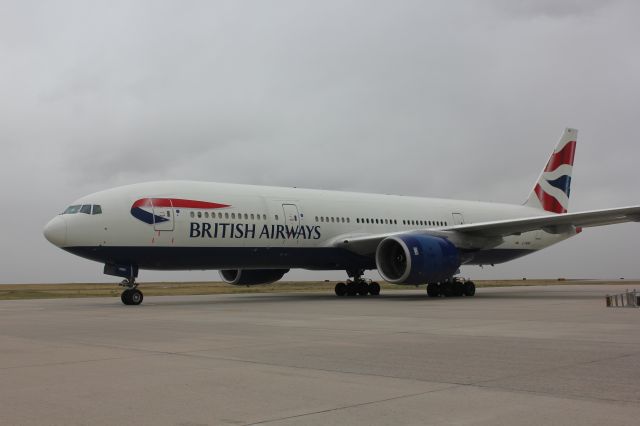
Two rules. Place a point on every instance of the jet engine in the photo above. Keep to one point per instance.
(416, 259)
(252, 276)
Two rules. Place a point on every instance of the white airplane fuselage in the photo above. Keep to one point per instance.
(269, 227)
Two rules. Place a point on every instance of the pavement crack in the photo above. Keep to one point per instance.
(346, 407)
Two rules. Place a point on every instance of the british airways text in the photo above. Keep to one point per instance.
(249, 230)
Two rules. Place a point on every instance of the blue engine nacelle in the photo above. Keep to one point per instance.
(416, 259)
(252, 276)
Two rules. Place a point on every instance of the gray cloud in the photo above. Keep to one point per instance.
(462, 100)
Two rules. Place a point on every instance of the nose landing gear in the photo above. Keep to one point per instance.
(131, 295)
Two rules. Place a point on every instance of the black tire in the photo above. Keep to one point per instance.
(136, 297)
(374, 289)
(458, 289)
(341, 289)
(469, 288)
(126, 297)
(352, 290)
(433, 290)
(363, 289)
(446, 289)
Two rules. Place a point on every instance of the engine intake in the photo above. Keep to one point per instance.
(252, 276)
(416, 259)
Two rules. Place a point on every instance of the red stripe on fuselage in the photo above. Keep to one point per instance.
(549, 202)
(177, 203)
(564, 156)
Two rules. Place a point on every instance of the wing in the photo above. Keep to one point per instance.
(490, 234)
(553, 224)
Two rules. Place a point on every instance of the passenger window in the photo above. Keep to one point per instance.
(96, 209)
(251, 216)
(86, 209)
(276, 217)
(199, 215)
(219, 215)
(206, 214)
(168, 213)
(246, 216)
(193, 214)
(348, 220)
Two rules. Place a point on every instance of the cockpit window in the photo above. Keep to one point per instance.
(84, 208)
(72, 209)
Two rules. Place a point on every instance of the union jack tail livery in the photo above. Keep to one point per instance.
(551, 192)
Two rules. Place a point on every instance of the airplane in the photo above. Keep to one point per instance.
(256, 234)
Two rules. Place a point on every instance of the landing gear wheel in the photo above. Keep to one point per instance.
(374, 289)
(126, 297)
(352, 289)
(136, 297)
(458, 288)
(469, 288)
(363, 289)
(131, 296)
(341, 289)
(446, 289)
(433, 290)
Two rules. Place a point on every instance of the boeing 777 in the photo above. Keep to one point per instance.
(256, 234)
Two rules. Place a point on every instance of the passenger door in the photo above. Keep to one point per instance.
(163, 215)
(292, 224)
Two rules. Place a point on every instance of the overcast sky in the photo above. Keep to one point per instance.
(455, 99)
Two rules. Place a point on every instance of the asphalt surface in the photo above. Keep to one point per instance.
(509, 356)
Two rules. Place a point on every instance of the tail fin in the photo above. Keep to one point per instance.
(551, 192)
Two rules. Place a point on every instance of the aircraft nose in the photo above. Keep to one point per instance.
(56, 231)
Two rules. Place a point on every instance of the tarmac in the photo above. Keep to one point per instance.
(508, 356)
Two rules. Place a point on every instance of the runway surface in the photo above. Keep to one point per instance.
(510, 356)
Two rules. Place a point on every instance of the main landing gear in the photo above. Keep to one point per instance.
(131, 295)
(454, 287)
(357, 286)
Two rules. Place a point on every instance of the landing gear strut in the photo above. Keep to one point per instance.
(131, 295)
(357, 285)
(454, 287)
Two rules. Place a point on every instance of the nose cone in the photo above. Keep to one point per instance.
(56, 231)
